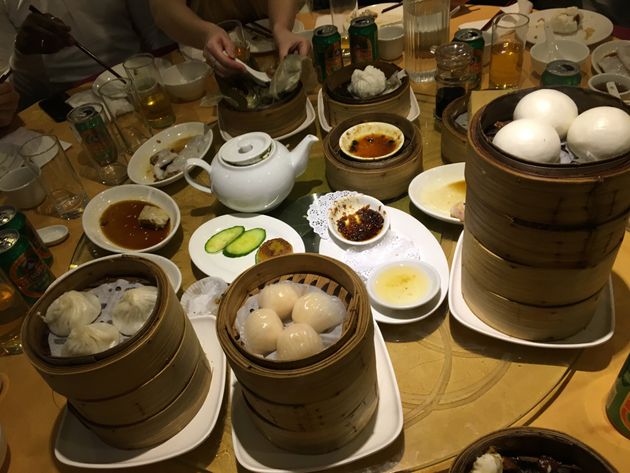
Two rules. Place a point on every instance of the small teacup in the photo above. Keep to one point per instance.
(622, 83)
(390, 41)
(23, 187)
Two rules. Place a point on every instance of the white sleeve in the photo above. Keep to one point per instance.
(152, 37)
(7, 37)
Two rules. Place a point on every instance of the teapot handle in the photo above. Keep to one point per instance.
(191, 163)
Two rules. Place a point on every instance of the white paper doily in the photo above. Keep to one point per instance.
(317, 214)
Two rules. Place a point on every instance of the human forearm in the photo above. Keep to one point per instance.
(282, 14)
(182, 24)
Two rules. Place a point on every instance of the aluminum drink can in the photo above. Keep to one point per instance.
(561, 72)
(327, 51)
(473, 38)
(363, 35)
(618, 403)
(10, 217)
(89, 124)
(23, 266)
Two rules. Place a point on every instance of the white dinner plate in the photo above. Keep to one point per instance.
(414, 110)
(606, 49)
(140, 169)
(392, 16)
(429, 186)
(75, 445)
(263, 44)
(595, 27)
(598, 331)
(310, 118)
(227, 268)
(431, 251)
(254, 452)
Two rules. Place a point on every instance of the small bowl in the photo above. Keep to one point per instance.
(186, 81)
(349, 205)
(354, 134)
(567, 49)
(598, 84)
(398, 301)
(390, 41)
(609, 48)
(95, 208)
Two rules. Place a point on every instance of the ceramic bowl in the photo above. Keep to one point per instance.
(598, 84)
(349, 205)
(567, 49)
(186, 81)
(609, 49)
(353, 140)
(386, 289)
(390, 41)
(95, 208)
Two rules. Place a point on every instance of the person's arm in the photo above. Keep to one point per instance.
(8, 103)
(282, 16)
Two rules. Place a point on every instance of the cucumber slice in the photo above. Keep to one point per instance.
(245, 243)
(220, 240)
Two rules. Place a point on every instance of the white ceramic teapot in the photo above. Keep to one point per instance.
(253, 172)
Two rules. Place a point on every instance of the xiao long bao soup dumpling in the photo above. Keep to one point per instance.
(298, 341)
(90, 339)
(261, 331)
(280, 298)
(319, 310)
(71, 309)
(134, 308)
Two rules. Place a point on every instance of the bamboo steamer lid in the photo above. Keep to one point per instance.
(454, 139)
(319, 403)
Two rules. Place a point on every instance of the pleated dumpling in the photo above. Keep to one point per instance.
(280, 298)
(71, 309)
(134, 308)
(90, 339)
(298, 341)
(319, 310)
(261, 331)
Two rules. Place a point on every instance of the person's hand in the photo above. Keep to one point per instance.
(289, 42)
(9, 99)
(219, 51)
(42, 34)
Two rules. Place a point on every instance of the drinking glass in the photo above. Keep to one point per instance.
(127, 123)
(89, 123)
(340, 10)
(426, 27)
(235, 31)
(153, 100)
(509, 32)
(58, 177)
(13, 309)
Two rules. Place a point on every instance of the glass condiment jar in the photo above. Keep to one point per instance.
(453, 77)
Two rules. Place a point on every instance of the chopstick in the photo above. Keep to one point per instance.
(82, 48)
(453, 10)
(5, 76)
(391, 7)
(259, 29)
(488, 24)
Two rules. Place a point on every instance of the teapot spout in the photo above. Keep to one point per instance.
(299, 156)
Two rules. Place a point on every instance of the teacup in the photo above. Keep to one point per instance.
(390, 41)
(23, 187)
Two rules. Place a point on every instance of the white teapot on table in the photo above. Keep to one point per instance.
(252, 172)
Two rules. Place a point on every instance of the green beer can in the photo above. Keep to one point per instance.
(327, 51)
(10, 217)
(363, 35)
(618, 403)
(561, 72)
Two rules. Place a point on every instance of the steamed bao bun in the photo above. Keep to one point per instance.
(550, 106)
(529, 139)
(600, 133)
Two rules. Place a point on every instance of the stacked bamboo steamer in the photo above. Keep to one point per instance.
(141, 392)
(454, 140)
(322, 402)
(539, 240)
(383, 179)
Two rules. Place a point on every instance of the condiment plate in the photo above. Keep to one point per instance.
(598, 331)
(606, 49)
(595, 27)
(310, 118)
(227, 268)
(428, 191)
(254, 452)
(407, 226)
(75, 445)
(414, 110)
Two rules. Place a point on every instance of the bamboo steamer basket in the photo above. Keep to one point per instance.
(339, 105)
(277, 119)
(384, 179)
(540, 239)
(319, 403)
(454, 139)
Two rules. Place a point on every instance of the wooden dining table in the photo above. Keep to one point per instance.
(455, 385)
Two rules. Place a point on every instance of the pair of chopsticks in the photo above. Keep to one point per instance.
(5, 76)
(82, 48)
(259, 29)
(455, 6)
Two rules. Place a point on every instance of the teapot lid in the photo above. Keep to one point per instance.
(247, 149)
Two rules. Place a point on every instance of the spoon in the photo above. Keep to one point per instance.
(611, 87)
(259, 76)
(53, 234)
(553, 51)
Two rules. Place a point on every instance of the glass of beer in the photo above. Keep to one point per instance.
(13, 309)
(153, 100)
(235, 31)
(509, 32)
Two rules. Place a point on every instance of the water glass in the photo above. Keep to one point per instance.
(509, 33)
(89, 124)
(58, 177)
(153, 100)
(235, 31)
(13, 309)
(340, 11)
(23, 187)
(127, 124)
(426, 27)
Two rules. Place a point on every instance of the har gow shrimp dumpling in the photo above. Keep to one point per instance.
(298, 341)
(71, 309)
(280, 298)
(134, 308)
(90, 339)
(319, 310)
(261, 331)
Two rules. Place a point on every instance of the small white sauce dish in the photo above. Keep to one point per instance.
(390, 41)
(349, 205)
(403, 284)
(355, 133)
(186, 81)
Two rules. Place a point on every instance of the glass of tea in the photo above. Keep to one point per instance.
(235, 31)
(153, 100)
(509, 33)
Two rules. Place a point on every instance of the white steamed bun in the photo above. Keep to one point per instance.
(550, 106)
(600, 133)
(529, 140)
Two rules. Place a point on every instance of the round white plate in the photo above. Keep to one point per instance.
(594, 28)
(598, 331)
(430, 185)
(405, 224)
(604, 50)
(75, 445)
(392, 16)
(229, 268)
(140, 169)
(106, 76)
(263, 44)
